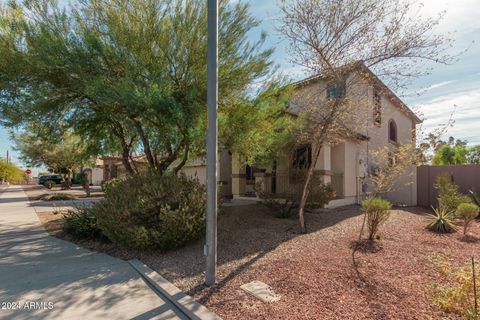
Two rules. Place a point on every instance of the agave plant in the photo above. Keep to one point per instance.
(442, 220)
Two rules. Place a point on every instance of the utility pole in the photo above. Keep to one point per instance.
(212, 139)
(7, 157)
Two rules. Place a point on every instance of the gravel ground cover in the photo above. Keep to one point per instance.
(314, 273)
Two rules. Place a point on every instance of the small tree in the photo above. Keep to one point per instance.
(448, 195)
(330, 38)
(377, 212)
(467, 212)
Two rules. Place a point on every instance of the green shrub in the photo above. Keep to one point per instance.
(457, 295)
(107, 184)
(49, 184)
(467, 212)
(284, 203)
(448, 195)
(81, 224)
(377, 211)
(442, 220)
(153, 211)
(320, 195)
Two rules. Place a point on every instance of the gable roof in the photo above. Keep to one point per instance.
(376, 82)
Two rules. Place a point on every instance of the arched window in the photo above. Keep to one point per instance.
(392, 131)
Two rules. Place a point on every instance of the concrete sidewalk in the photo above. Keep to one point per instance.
(42, 277)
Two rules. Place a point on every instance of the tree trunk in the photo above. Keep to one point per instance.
(306, 188)
(126, 160)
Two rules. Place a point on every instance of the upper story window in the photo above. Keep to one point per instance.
(392, 131)
(377, 108)
(335, 90)
(302, 157)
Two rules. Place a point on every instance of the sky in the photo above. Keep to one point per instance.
(447, 88)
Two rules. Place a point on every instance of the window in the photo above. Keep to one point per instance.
(302, 157)
(377, 108)
(335, 90)
(392, 131)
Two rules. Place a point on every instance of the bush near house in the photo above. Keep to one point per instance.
(152, 211)
(284, 203)
(467, 212)
(377, 211)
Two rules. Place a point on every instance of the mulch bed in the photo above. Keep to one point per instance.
(314, 273)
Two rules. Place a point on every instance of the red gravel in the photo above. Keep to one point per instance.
(314, 273)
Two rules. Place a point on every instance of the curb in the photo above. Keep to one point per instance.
(192, 309)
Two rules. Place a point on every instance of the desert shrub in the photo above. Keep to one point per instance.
(153, 211)
(448, 195)
(81, 224)
(66, 185)
(58, 197)
(442, 220)
(457, 296)
(107, 184)
(467, 212)
(49, 184)
(377, 211)
(283, 204)
(320, 195)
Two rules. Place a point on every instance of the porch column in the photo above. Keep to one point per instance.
(238, 177)
(323, 167)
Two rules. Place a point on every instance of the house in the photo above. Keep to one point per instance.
(381, 120)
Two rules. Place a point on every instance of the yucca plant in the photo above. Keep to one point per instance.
(442, 220)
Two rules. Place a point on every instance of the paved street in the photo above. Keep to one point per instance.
(47, 278)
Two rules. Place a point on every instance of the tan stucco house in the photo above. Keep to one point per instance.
(381, 120)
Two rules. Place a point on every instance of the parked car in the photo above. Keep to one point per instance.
(55, 178)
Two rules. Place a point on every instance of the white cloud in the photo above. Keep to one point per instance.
(435, 86)
(466, 108)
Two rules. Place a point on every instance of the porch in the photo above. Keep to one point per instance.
(337, 166)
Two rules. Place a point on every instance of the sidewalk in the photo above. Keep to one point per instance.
(43, 277)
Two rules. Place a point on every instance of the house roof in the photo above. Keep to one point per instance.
(377, 82)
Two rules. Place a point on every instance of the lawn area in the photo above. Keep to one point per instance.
(313, 273)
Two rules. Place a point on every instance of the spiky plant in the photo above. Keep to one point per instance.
(442, 220)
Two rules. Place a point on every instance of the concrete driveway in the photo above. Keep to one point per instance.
(42, 277)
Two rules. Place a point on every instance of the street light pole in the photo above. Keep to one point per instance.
(212, 139)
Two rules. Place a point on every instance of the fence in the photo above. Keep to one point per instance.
(467, 177)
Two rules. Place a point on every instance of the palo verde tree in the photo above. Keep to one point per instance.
(64, 153)
(337, 38)
(129, 74)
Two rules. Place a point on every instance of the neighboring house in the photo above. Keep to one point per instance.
(382, 119)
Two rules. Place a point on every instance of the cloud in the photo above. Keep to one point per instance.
(435, 86)
(465, 106)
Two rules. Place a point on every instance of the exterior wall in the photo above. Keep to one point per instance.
(405, 190)
(351, 161)
(97, 176)
(197, 169)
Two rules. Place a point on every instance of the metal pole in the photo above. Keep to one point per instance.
(474, 286)
(212, 102)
